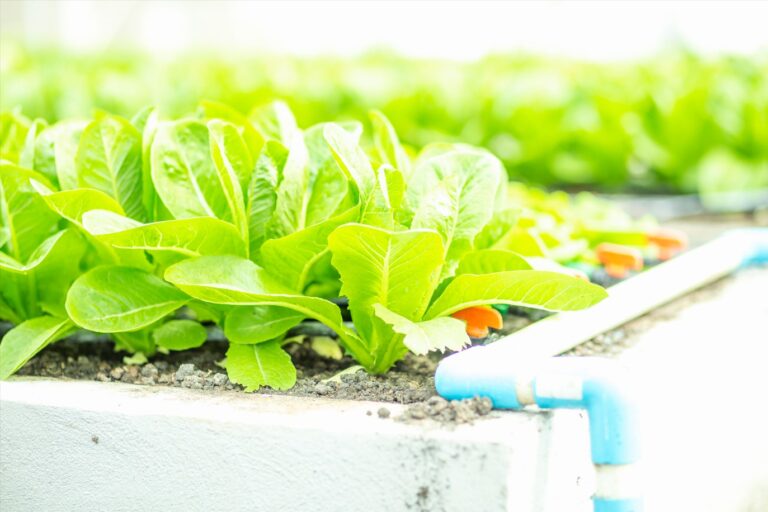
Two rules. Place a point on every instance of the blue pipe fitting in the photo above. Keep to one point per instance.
(596, 385)
(603, 390)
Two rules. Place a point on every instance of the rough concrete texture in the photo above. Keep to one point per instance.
(75, 445)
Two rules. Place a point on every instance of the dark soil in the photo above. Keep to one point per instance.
(411, 381)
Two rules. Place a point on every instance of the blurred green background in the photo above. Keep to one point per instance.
(673, 123)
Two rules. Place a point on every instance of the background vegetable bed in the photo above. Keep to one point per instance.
(144, 228)
(676, 122)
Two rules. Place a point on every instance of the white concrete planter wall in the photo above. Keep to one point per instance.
(94, 446)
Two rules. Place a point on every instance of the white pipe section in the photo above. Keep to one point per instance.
(631, 298)
(618, 481)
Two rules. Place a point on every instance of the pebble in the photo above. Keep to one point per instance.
(418, 413)
(322, 388)
(184, 371)
(483, 406)
(383, 412)
(192, 382)
(437, 403)
(455, 411)
(117, 373)
(149, 371)
(219, 379)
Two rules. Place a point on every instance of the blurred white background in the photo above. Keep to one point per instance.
(458, 30)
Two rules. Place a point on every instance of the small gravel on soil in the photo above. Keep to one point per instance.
(411, 380)
(447, 411)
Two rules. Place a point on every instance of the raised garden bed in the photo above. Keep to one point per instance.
(206, 248)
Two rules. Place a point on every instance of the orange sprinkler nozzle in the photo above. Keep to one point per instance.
(479, 319)
(619, 259)
(668, 242)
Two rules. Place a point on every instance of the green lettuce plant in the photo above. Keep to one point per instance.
(143, 228)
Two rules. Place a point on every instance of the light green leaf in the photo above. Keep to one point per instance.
(26, 156)
(40, 254)
(500, 224)
(117, 299)
(14, 306)
(291, 258)
(396, 269)
(24, 341)
(234, 166)
(23, 212)
(346, 371)
(275, 121)
(387, 144)
(327, 347)
(104, 222)
(205, 312)
(138, 359)
(328, 193)
(290, 208)
(262, 364)
(379, 209)
(72, 204)
(238, 281)
(137, 342)
(262, 192)
(184, 173)
(488, 261)
(253, 139)
(64, 142)
(109, 158)
(257, 324)
(190, 237)
(146, 122)
(143, 117)
(394, 179)
(351, 159)
(526, 242)
(530, 288)
(422, 337)
(180, 335)
(56, 272)
(454, 192)
(13, 132)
